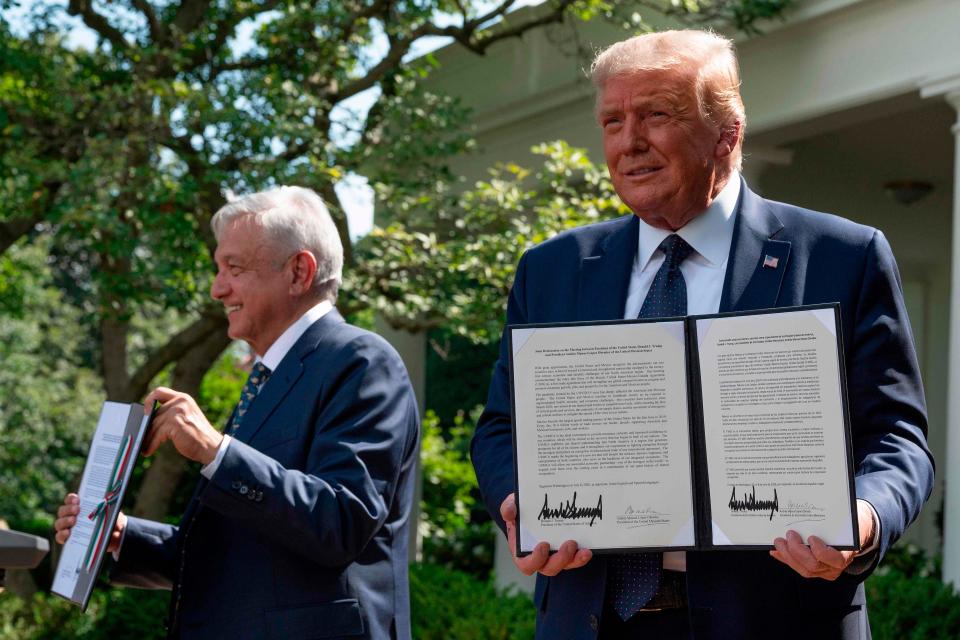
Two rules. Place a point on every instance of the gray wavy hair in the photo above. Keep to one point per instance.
(294, 219)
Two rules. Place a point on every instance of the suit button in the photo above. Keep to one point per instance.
(236, 484)
(259, 496)
(244, 490)
(594, 622)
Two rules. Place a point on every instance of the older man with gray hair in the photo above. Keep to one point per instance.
(698, 242)
(298, 527)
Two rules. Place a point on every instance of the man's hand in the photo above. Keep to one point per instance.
(180, 421)
(67, 516)
(568, 556)
(819, 560)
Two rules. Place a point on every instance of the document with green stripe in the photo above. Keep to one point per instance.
(113, 453)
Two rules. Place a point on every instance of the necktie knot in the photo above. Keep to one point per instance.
(259, 373)
(676, 250)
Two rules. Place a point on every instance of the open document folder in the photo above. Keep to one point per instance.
(700, 432)
(113, 452)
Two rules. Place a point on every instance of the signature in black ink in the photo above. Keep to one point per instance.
(645, 511)
(568, 510)
(750, 502)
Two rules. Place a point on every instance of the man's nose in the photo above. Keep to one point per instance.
(637, 134)
(218, 288)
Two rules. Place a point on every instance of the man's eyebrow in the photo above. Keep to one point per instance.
(230, 258)
(604, 110)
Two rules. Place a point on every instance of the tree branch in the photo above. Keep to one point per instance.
(398, 48)
(163, 477)
(463, 34)
(329, 195)
(224, 29)
(15, 228)
(158, 33)
(97, 22)
(189, 15)
(209, 323)
(250, 63)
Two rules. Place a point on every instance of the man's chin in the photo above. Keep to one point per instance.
(233, 331)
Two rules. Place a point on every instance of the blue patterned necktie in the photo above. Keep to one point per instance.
(668, 293)
(258, 376)
(633, 578)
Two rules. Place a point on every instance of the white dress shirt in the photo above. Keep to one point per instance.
(710, 235)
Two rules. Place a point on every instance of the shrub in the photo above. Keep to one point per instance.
(451, 605)
(113, 614)
(907, 601)
(454, 527)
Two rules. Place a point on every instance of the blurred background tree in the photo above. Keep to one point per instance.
(120, 153)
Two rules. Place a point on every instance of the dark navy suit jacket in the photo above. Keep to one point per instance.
(303, 530)
(583, 274)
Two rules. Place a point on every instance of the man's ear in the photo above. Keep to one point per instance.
(303, 268)
(730, 135)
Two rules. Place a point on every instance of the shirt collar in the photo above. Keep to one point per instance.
(709, 233)
(288, 338)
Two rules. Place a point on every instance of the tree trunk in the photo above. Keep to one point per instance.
(329, 195)
(165, 474)
(113, 357)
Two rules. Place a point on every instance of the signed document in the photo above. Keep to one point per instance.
(113, 451)
(705, 432)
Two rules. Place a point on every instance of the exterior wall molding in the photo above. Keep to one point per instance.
(948, 88)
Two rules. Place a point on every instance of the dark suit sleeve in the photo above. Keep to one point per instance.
(492, 446)
(147, 555)
(894, 467)
(364, 434)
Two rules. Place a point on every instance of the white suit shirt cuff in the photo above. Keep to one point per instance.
(209, 469)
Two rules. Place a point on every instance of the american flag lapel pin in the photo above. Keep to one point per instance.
(770, 262)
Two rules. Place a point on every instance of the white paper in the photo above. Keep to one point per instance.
(774, 427)
(603, 435)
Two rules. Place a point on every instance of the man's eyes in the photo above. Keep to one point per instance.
(656, 115)
(232, 269)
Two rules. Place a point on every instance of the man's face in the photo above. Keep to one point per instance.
(664, 159)
(253, 283)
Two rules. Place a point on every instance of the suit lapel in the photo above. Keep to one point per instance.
(282, 380)
(605, 278)
(757, 262)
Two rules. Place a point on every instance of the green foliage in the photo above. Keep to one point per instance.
(454, 529)
(451, 605)
(911, 561)
(445, 605)
(113, 614)
(12, 292)
(906, 599)
(50, 399)
(221, 387)
(457, 372)
(456, 270)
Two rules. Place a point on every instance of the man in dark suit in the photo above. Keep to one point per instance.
(299, 526)
(672, 123)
